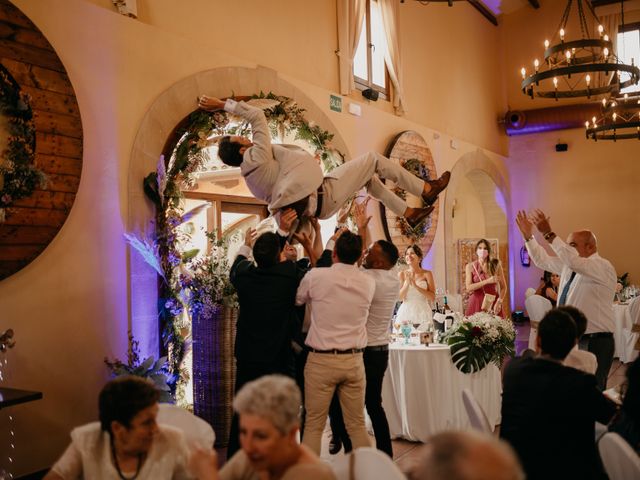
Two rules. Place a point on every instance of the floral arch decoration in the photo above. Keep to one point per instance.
(192, 285)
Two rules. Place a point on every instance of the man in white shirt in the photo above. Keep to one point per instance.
(579, 359)
(587, 281)
(340, 297)
(287, 176)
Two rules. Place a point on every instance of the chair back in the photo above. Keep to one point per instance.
(476, 414)
(196, 431)
(620, 461)
(367, 463)
(536, 306)
(628, 337)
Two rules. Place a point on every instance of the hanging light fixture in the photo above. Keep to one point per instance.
(620, 120)
(578, 68)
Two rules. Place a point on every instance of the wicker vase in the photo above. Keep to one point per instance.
(214, 369)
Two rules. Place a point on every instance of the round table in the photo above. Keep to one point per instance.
(422, 392)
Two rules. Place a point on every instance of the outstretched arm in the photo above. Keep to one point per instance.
(540, 257)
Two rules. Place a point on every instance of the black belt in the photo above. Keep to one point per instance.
(319, 201)
(598, 335)
(377, 348)
(335, 351)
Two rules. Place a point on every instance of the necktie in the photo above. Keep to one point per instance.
(565, 290)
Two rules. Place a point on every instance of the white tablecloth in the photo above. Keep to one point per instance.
(422, 392)
(622, 318)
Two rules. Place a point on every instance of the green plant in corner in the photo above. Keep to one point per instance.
(149, 368)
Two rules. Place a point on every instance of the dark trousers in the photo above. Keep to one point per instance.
(375, 365)
(245, 373)
(603, 348)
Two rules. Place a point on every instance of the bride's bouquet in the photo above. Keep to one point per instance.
(479, 339)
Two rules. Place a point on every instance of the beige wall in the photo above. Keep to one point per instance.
(71, 306)
(592, 185)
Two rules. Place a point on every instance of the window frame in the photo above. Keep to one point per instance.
(361, 83)
(630, 27)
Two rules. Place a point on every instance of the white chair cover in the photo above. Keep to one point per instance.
(477, 417)
(629, 338)
(196, 430)
(620, 461)
(369, 463)
(536, 306)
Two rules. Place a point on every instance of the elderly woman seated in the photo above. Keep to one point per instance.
(269, 410)
(127, 442)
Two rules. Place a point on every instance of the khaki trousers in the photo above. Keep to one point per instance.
(325, 373)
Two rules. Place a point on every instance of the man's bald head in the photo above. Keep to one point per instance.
(584, 241)
(467, 456)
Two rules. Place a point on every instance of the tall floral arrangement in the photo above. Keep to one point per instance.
(192, 284)
(480, 339)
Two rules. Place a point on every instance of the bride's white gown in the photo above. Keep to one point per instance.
(415, 306)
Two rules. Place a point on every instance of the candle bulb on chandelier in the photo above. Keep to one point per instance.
(606, 38)
(614, 117)
(588, 79)
(594, 121)
(555, 82)
(523, 71)
(562, 34)
(546, 44)
(536, 64)
(606, 53)
(586, 124)
(600, 30)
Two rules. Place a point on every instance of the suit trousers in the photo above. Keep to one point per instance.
(324, 374)
(342, 182)
(375, 366)
(603, 348)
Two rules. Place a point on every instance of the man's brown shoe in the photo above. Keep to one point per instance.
(418, 215)
(437, 186)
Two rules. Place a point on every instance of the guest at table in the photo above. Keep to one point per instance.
(587, 281)
(627, 421)
(466, 456)
(484, 276)
(269, 423)
(549, 410)
(417, 290)
(126, 442)
(580, 359)
(549, 287)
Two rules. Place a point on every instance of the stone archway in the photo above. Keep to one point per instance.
(476, 206)
(173, 105)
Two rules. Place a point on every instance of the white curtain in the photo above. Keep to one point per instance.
(350, 15)
(611, 24)
(389, 10)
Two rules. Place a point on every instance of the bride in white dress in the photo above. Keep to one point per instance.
(417, 292)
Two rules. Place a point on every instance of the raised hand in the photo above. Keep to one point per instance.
(338, 232)
(524, 224)
(286, 218)
(343, 213)
(541, 221)
(210, 104)
(360, 215)
(303, 239)
(250, 237)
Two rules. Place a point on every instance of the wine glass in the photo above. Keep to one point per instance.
(416, 324)
(406, 332)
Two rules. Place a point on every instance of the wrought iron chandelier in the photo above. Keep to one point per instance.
(579, 68)
(620, 120)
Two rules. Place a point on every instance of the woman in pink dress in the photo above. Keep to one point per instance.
(484, 276)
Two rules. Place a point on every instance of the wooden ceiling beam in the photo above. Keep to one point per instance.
(486, 13)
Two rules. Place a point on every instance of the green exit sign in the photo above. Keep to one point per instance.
(335, 103)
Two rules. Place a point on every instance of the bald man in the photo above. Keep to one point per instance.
(467, 456)
(587, 282)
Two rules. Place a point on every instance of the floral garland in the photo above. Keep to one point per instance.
(199, 286)
(18, 177)
(479, 339)
(418, 232)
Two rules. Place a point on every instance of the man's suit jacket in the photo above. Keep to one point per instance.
(267, 318)
(548, 416)
(278, 174)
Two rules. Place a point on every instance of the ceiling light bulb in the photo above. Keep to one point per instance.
(604, 102)
(555, 82)
(536, 64)
(606, 52)
(586, 124)
(546, 44)
(600, 29)
(588, 79)
(614, 116)
(523, 71)
(606, 38)
(562, 34)
(568, 55)
(594, 121)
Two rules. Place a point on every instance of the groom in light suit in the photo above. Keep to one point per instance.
(286, 176)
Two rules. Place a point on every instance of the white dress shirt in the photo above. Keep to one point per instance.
(593, 287)
(340, 297)
(382, 305)
(581, 360)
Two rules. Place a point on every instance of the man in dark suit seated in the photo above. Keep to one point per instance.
(268, 316)
(549, 410)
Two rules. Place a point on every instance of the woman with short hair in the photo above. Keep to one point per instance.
(127, 442)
